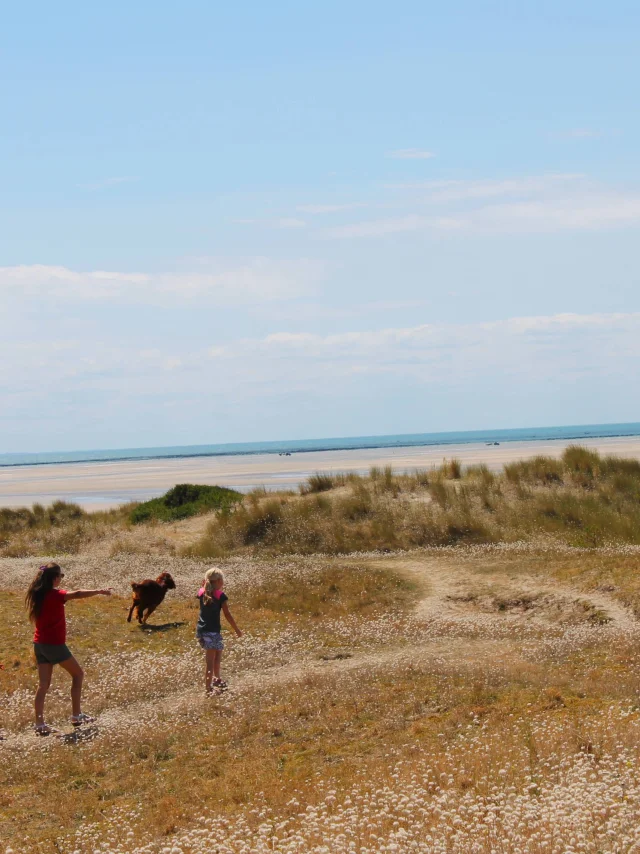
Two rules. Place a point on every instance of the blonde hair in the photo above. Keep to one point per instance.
(210, 577)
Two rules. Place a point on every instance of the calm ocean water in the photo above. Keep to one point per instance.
(406, 440)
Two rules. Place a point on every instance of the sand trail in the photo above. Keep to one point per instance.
(450, 588)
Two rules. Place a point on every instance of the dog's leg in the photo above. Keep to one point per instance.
(150, 611)
(133, 605)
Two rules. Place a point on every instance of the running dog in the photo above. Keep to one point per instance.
(148, 594)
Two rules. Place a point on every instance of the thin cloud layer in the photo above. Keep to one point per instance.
(436, 351)
(259, 279)
(527, 205)
(294, 378)
(485, 344)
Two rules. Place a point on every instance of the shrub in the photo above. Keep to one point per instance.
(184, 500)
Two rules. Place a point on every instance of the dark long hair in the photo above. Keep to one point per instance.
(39, 587)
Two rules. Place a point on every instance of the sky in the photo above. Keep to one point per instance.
(240, 222)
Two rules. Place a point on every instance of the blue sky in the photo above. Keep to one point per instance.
(235, 222)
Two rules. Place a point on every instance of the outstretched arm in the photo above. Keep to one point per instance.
(232, 622)
(85, 594)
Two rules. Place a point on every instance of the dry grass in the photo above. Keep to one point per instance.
(61, 528)
(353, 724)
(476, 697)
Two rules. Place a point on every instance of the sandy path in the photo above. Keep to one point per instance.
(124, 720)
(446, 583)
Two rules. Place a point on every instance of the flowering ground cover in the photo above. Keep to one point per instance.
(480, 699)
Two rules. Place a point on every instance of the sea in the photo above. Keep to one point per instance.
(575, 432)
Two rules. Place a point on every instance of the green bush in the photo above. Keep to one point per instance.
(184, 500)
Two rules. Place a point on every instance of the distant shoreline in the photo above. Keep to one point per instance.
(109, 483)
(570, 433)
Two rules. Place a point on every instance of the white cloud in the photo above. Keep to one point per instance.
(259, 279)
(410, 154)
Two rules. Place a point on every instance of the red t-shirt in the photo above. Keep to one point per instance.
(51, 625)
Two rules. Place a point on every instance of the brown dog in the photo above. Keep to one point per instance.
(148, 594)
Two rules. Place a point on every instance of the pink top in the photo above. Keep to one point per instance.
(216, 593)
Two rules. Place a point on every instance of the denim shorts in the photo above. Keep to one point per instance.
(210, 640)
(48, 653)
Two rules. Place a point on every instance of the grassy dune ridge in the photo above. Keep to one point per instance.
(476, 694)
(582, 500)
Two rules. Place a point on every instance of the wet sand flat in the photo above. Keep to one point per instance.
(101, 485)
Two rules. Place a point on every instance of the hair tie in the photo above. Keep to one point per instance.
(42, 568)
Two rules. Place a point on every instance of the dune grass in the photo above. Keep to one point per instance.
(61, 528)
(583, 500)
(64, 528)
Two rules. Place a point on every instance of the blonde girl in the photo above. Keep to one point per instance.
(208, 631)
(45, 603)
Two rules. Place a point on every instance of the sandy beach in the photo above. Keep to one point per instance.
(101, 485)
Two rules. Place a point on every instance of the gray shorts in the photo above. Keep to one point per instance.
(210, 640)
(49, 653)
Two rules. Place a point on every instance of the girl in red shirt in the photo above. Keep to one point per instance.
(45, 604)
